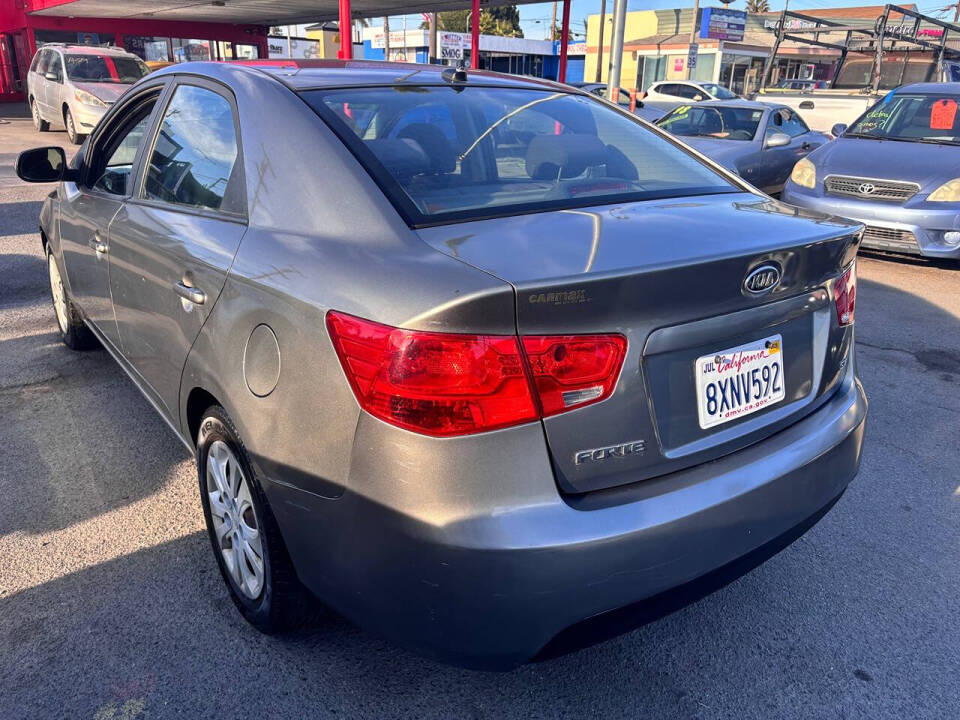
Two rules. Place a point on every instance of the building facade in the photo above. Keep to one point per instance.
(732, 46)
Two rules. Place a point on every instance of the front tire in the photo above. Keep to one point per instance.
(39, 124)
(72, 134)
(73, 331)
(246, 540)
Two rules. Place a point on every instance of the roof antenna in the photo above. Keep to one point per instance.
(457, 75)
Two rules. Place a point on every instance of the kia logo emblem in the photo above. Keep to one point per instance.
(866, 188)
(762, 279)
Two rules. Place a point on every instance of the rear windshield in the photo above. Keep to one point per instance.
(444, 153)
(725, 123)
(856, 74)
(105, 69)
(718, 91)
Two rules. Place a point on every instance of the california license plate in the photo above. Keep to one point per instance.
(739, 381)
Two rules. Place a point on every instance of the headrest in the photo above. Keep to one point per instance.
(402, 157)
(430, 138)
(565, 156)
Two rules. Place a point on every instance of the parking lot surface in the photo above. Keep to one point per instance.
(111, 605)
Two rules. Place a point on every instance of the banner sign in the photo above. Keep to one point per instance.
(451, 45)
(722, 24)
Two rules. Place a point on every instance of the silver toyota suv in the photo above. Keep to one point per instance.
(72, 86)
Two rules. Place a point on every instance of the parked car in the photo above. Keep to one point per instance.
(760, 142)
(687, 90)
(71, 86)
(896, 169)
(490, 367)
(650, 111)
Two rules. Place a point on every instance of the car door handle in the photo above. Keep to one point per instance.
(197, 297)
(99, 244)
(806, 146)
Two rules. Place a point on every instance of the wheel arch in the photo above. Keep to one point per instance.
(198, 401)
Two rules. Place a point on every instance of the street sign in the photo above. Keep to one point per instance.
(451, 46)
(692, 56)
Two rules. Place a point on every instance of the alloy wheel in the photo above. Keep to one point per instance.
(235, 523)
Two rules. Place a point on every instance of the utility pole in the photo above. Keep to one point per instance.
(603, 24)
(386, 38)
(433, 39)
(616, 49)
(289, 43)
(553, 22)
(693, 34)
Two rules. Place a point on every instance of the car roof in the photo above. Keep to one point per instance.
(302, 75)
(88, 49)
(943, 87)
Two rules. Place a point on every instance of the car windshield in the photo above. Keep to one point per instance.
(105, 68)
(718, 91)
(912, 117)
(447, 153)
(725, 123)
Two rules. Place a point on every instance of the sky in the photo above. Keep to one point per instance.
(535, 19)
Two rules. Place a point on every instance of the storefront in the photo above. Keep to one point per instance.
(25, 25)
(516, 56)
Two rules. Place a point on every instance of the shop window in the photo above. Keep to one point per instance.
(188, 50)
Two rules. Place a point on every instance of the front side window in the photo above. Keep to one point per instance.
(116, 162)
(793, 124)
(104, 68)
(726, 123)
(912, 117)
(484, 151)
(194, 160)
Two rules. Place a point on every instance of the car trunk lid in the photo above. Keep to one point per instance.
(669, 276)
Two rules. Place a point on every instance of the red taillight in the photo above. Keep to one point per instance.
(443, 384)
(845, 294)
(574, 370)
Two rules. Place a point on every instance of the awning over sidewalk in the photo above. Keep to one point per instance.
(247, 12)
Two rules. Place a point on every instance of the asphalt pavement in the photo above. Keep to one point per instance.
(111, 605)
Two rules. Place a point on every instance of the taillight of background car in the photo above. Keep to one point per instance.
(445, 384)
(845, 294)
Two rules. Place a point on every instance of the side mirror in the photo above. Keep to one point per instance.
(52, 76)
(777, 139)
(42, 165)
(838, 129)
(698, 97)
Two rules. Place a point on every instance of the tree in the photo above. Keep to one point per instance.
(503, 20)
(758, 6)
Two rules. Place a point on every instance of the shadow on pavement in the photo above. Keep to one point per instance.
(20, 218)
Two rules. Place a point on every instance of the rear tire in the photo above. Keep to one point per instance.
(73, 331)
(244, 534)
(68, 122)
(39, 124)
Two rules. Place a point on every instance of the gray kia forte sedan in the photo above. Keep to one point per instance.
(486, 364)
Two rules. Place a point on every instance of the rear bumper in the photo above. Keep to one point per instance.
(917, 230)
(494, 589)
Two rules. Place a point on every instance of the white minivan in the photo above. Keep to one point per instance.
(71, 86)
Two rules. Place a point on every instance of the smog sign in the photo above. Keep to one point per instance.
(451, 46)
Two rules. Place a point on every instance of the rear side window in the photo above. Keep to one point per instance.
(442, 153)
(44, 62)
(194, 160)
